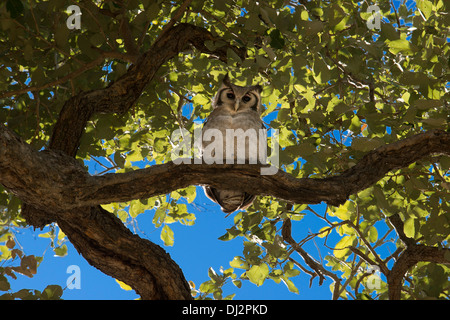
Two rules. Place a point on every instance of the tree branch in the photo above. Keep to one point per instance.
(108, 245)
(57, 181)
(62, 191)
(409, 257)
(311, 262)
(121, 95)
(335, 190)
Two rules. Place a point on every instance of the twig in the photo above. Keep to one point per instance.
(177, 15)
(380, 262)
(111, 44)
(396, 15)
(311, 262)
(67, 77)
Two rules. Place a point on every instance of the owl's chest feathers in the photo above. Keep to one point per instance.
(234, 120)
(239, 131)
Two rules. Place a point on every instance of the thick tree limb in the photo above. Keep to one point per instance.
(334, 190)
(407, 259)
(62, 191)
(108, 245)
(143, 265)
(98, 235)
(55, 181)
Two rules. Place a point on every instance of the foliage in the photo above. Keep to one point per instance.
(13, 262)
(334, 88)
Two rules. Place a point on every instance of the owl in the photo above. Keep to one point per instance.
(236, 119)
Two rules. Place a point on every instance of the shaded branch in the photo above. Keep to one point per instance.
(409, 257)
(335, 190)
(107, 244)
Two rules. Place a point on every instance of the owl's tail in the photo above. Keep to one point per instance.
(230, 200)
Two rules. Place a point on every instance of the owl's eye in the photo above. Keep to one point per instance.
(246, 99)
(230, 95)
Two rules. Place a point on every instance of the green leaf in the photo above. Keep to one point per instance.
(136, 208)
(119, 160)
(233, 57)
(400, 45)
(341, 247)
(239, 263)
(427, 104)
(61, 251)
(62, 37)
(258, 274)
(355, 124)
(437, 123)
(276, 40)
(208, 287)
(445, 162)
(237, 283)
(52, 292)
(344, 211)
(289, 270)
(213, 275)
(321, 72)
(409, 227)
(290, 285)
(373, 234)
(97, 39)
(425, 7)
(167, 236)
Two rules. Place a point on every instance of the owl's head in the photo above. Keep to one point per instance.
(237, 98)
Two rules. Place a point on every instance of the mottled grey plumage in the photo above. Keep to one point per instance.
(235, 107)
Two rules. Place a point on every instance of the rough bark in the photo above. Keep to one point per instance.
(55, 181)
(108, 245)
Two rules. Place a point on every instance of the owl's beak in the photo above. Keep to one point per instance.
(236, 104)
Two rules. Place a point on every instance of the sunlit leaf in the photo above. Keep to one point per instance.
(258, 273)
